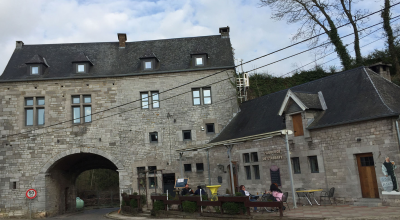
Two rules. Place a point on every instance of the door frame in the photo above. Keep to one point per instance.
(374, 178)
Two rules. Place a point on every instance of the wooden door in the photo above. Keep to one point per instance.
(366, 170)
(297, 125)
(235, 179)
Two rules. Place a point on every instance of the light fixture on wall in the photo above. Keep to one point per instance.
(202, 128)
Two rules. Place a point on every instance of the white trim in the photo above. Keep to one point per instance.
(290, 94)
(322, 100)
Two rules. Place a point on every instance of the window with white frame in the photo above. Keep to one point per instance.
(150, 99)
(201, 96)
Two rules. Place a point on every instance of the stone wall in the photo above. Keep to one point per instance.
(123, 139)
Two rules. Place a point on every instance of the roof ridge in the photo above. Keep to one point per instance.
(104, 42)
(380, 97)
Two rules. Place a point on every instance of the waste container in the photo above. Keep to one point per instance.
(79, 203)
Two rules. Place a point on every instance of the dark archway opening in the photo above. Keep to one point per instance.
(61, 179)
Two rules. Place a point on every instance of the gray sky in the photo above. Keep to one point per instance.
(253, 32)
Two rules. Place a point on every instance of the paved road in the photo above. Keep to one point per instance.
(94, 214)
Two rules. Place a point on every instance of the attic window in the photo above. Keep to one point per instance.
(199, 61)
(81, 68)
(34, 70)
(147, 65)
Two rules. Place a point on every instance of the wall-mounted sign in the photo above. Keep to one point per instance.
(31, 193)
(273, 157)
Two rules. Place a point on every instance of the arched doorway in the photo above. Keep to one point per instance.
(61, 172)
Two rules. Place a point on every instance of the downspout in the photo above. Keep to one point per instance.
(180, 161)
(398, 132)
(208, 163)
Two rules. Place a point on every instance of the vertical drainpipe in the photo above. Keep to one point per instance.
(208, 163)
(398, 132)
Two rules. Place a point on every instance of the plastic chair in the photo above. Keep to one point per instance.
(328, 195)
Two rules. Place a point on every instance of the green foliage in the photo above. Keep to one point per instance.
(204, 197)
(143, 199)
(98, 179)
(189, 207)
(135, 193)
(133, 203)
(238, 194)
(227, 191)
(158, 205)
(233, 207)
(123, 203)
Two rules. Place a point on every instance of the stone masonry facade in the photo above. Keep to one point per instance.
(30, 158)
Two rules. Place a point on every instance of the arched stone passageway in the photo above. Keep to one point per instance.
(58, 177)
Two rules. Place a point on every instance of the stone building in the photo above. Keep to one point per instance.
(343, 127)
(125, 106)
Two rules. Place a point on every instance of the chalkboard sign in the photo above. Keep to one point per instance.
(275, 175)
(181, 182)
(387, 183)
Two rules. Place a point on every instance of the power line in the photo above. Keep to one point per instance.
(176, 87)
(311, 48)
(335, 51)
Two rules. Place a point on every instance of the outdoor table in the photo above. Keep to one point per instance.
(307, 193)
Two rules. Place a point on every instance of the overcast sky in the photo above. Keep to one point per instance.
(253, 32)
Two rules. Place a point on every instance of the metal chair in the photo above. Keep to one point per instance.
(284, 198)
(328, 195)
(301, 194)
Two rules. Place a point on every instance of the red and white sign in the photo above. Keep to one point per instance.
(31, 193)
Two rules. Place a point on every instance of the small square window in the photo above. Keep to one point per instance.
(35, 70)
(254, 157)
(152, 182)
(246, 158)
(81, 68)
(210, 128)
(313, 164)
(199, 167)
(199, 61)
(147, 64)
(296, 165)
(188, 167)
(14, 185)
(40, 101)
(256, 170)
(153, 137)
(76, 99)
(248, 172)
(187, 135)
(87, 99)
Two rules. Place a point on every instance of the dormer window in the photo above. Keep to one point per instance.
(147, 65)
(81, 68)
(34, 70)
(199, 60)
(81, 64)
(36, 65)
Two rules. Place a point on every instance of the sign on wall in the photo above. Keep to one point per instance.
(271, 155)
(31, 193)
(275, 175)
(387, 183)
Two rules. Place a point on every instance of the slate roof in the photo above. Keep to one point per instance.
(109, 60)
(81, 58)
(37, 59)
(351, 96)
(310, 100)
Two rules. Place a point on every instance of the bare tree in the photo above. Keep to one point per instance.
(390, 39)
(352, 17)
(315, 16)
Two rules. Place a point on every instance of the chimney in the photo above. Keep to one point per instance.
(224, 32)
(19, 44)
(382, 69)
(122, 39)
